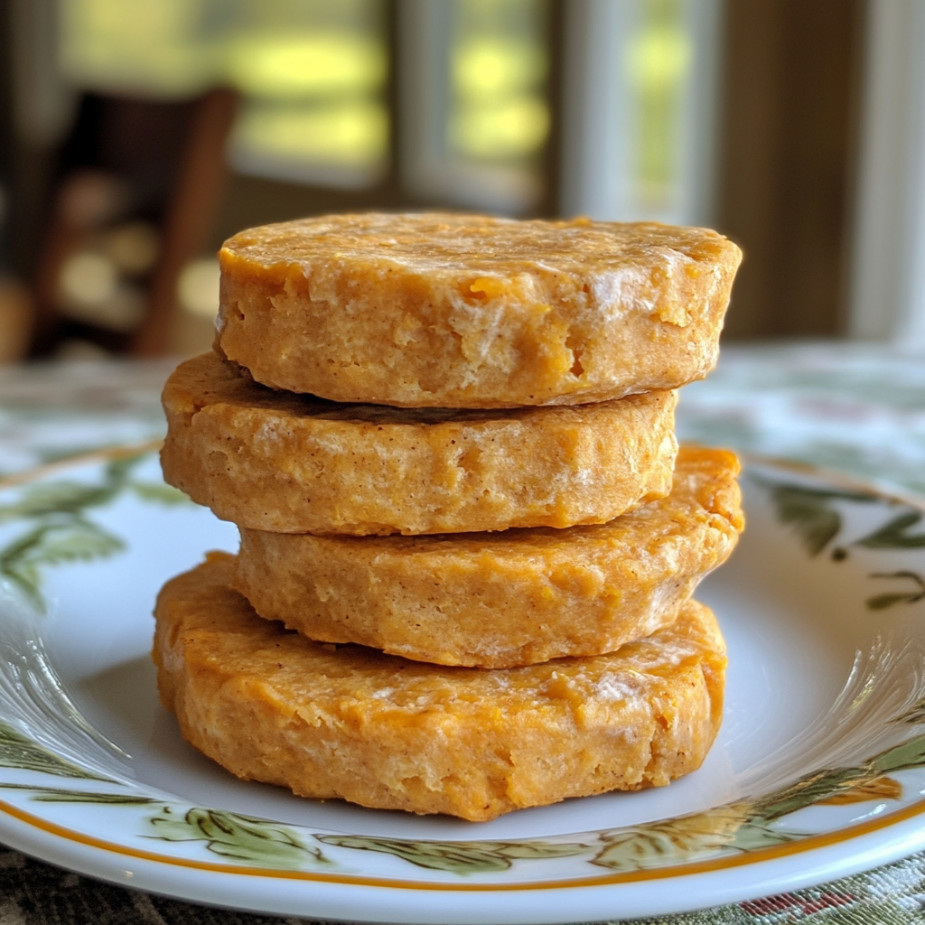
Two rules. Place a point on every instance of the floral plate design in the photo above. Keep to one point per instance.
(819, 770)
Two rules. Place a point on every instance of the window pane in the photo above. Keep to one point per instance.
(161, 48)
(474, 108)
(498, 109)
(314, 77)
(312, 73)
(639, 116)
(659, 62)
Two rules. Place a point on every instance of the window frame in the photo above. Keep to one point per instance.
(887, 270)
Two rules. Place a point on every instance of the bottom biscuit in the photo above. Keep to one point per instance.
(381, 731)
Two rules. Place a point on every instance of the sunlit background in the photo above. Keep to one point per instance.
(313, 76)
(138, 136)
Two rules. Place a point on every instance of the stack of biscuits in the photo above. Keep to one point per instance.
(469, 540)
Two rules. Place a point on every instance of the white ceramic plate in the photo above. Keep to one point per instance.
(819, 770)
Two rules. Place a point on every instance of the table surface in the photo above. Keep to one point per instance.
(858, 409)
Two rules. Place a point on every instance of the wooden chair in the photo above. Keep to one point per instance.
(140, 164)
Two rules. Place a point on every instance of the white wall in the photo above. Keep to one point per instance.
(601, 112)
(888, 267)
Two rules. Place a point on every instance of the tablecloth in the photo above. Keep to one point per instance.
(855, 408)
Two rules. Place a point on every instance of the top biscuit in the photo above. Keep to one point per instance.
(469, 311)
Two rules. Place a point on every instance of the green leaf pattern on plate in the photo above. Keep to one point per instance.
(19, 751)
(54, 541)
(459, 857)
(816, 518)
(237, 837)
(810, 512)
(895, 534)
(59, 528)
(910, 590)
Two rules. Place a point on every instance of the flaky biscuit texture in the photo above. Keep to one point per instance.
(312, 466)
(455, 310)
(509, 598)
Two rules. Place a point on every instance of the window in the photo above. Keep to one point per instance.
(312, 74)
(888, 272)
(475, 106)
(586, 106)
(639, 125)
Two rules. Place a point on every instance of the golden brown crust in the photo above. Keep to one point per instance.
(503, 599)
(383, 732)
(309, 465)
(452, 310)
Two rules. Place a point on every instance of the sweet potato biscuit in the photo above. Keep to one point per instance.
(503, 599)
(453, 310)
(380, 731)
(288, 463)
